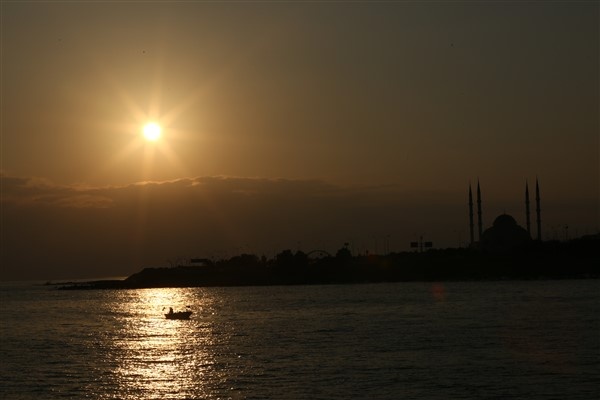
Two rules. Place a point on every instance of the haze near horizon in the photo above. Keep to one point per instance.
(136, 133)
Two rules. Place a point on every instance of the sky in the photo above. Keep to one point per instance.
(300, 125)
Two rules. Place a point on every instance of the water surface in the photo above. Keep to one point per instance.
(534, 340)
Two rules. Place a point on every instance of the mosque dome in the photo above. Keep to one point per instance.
(505, 235)
(504, 221)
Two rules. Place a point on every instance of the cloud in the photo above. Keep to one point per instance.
(19, 190)
(41, 192)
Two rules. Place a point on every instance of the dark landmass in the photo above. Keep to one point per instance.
(575, 259)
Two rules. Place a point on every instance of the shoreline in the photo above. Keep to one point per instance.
(543, 261)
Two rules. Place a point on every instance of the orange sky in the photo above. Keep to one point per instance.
(398, 103)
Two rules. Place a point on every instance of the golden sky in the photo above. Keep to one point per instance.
(399, 103)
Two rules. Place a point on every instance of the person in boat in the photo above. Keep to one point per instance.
(170, 310)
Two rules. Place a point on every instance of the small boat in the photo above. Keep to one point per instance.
(178, 314)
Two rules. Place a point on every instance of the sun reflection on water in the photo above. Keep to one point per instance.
(160, 358)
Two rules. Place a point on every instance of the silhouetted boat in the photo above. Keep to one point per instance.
(178, 314)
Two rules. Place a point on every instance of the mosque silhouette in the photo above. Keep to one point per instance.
(505, 234)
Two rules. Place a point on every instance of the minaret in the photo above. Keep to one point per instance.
(527, 214)
(471, 214)
(538, 210)
(479, 222)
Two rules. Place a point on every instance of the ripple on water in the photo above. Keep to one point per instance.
(481, 339)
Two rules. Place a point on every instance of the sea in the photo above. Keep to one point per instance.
(435, 340)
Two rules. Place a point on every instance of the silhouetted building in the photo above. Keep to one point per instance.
(472, 236)
(479, 220)
(527, 213)
(538, 209)
(505, 234)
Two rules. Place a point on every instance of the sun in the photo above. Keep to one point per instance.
(151, 131)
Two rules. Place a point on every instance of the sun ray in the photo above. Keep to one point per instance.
(175, 161)
(152, 131)
(148, 163)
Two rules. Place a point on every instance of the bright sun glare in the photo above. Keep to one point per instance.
(151, 131)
